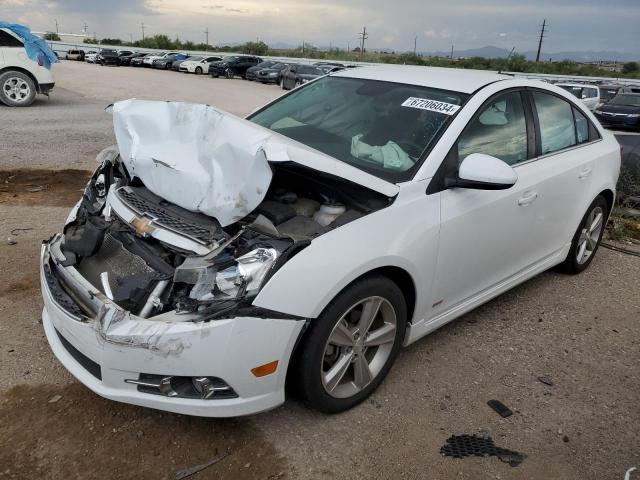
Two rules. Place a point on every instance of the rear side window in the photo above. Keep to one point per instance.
(582, 126)
(8, 40)
(500, 130)
(589, 93)
(557, 128)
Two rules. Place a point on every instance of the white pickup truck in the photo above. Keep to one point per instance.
(20, 77)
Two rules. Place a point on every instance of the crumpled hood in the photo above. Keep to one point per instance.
(209, 161)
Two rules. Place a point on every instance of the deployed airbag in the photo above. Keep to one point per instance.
(194, 156)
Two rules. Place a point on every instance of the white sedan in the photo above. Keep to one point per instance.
(198, 66)
(219, 259)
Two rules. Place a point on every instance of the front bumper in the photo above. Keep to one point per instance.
(103, 345)
(268, 79)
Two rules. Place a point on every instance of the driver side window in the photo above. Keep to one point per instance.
(500, 130)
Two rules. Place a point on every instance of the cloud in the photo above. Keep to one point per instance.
(572, 24)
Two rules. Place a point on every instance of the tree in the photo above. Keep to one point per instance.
(630, 67)
(51, 36)
(255, 48)
(111, 41)
(92, 41)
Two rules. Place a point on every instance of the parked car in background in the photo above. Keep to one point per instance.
(125, 60)
(198, 66)
(233, 65)
(108, 56)
(91, 56)
(622, 111)
(21, 78)
(77, 55)
(124, 53)
(630, 89)
(175, 65)
(297, 74)
(252, 72)
(589, 94)
(166, 61)
(271, 74)
(148, 59)
(138, 61)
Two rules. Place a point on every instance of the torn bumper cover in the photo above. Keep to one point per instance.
(151, 362)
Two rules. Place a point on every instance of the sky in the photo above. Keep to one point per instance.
(573, 25)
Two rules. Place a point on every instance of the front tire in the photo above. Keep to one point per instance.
(587, 238)
(349, 349)
(228, 73)
(198, 70)
(17, 89)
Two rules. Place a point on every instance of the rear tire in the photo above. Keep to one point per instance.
(17, 89)
(587, 238)
(343, 357)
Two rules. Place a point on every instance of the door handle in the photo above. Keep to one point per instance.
(527, 199)
(585, 172)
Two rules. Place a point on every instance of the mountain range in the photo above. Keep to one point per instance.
(577, 56)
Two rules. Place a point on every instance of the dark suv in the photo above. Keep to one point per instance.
(108, 57)
(233, 65)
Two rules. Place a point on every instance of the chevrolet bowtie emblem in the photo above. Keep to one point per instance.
(142, 226)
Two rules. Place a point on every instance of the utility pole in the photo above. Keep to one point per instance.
(363, 36)
(415, 46)
(142, 28)
(56, 26)
(511, 53)
(85, 28)
(544, 25)
(451, 52)
(206, 33)
(131, 38)
(348, 46)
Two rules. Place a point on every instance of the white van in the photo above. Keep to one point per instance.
(21, 78)
(589, 94)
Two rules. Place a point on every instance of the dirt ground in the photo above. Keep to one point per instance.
(580, 332)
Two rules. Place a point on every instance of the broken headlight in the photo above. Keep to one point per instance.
(247, 275)
(227, 280)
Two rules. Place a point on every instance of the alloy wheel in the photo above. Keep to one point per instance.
(590, 235)
(359, 346)
(16, 89)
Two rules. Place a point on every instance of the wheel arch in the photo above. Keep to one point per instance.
(22, 70)
(609, 196)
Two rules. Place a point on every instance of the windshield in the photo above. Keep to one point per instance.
(380, 127)
(607, 94)
(632, 100)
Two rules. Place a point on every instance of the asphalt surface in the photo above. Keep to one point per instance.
(581, 334)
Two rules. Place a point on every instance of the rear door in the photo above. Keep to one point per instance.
(563, 158)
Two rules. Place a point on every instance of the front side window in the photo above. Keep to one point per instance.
(380, 127)
(500, 130)
(555, 115)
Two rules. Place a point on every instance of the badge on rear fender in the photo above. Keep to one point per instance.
(431, 105)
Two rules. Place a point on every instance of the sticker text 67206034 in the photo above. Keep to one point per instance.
(431, 105)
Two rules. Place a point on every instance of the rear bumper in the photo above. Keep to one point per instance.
(105, 348)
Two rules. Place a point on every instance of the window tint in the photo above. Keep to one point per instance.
(500, 131)
(8, 40)
(589, 93)
(582, 126)
(557, 129)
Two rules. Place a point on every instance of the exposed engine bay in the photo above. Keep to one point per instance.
(152, 257)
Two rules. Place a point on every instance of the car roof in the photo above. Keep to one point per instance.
(455, 79)
(581, 85)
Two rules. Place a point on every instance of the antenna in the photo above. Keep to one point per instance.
(544, 25)
(363, 36)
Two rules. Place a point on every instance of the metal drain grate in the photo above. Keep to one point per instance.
(460, 446)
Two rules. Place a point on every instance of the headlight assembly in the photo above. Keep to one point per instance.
(246, 276)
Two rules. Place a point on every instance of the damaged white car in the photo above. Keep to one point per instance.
(213, 260)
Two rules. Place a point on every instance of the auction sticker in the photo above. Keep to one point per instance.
(431, 105)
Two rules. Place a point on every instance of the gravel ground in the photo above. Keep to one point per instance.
(580, 332)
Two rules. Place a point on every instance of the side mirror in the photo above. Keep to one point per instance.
(483, 172)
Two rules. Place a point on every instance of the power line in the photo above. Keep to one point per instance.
(544, 25)
(363, 36)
